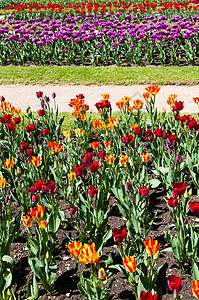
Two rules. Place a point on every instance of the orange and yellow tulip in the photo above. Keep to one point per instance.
(71, 176)
(153, 89)
(2, 182)
(66, 133)
(145, 157)
(78, 132)
(120, 104)
(151, 246)
(27, 221)
(95, 145)
(109, 159)
(129, 264)
(37, 213)
(54, 147)
(137, 104)
(123, 159)
(95, 124)
(82, 117)
(43, 224)
(146, 95)
(35, 160)
(195, 288)
(88, 254)
(196, 100)
(75, 248)
(9, 163)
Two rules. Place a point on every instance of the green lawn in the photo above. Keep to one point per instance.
(99, 75)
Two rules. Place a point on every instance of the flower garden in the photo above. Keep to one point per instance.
(114, 33)
(109, 209)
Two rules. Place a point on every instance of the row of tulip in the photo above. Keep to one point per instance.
(100, 40)
(37, 171)
(102, 8)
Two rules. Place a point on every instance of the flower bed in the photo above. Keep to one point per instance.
(116, 198)
(100, 41)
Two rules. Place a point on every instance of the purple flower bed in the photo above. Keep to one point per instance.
(96, 40)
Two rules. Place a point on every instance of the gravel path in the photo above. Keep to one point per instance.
(23, 95)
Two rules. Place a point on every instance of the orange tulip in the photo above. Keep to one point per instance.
(110, 126)
(145, 157)
(27, 221)
(195, 288)
(11, 109)
(83, 117)
(171, 100)
(95, 145)
(4, 106)
(196, 100)
(54, 147)
(130, 109)
(75, 248)
(75, 114)
(123, 159)
(37, 213)
(105, 96)
(111, 120)
(71, 176)
(35, 160)
(109, 159)
(18, 111)
(137, 104)
(107, 144)
(66, 133)
(2, 182)
(146, 95)
(9, 163)
(88, 254)
(153, 89)
(95, 124)
(151, 246)
(126, 100)
(129, 264)
(43, 224)
(78, 132)
(120, 104)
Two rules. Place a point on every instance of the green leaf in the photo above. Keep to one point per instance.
(154, 183)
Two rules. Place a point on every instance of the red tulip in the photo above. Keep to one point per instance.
(79, 170)
(179, 188)
(194, 207)
(144, 191)
(119, 234)
(172, 202)
(94, 166)
(92, 191)
(148, 296)
(174, 283)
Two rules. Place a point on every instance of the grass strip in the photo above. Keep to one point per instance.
(60, 75)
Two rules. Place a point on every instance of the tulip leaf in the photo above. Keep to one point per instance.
(154, 183)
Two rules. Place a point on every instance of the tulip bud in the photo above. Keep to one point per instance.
(185, 221)
(130, 162)
(156, 256)
(165, 147)
(47, 255)
(2, 99)
(186, 194)
(101, 274)
(146, 262)
(177, 157)
(190, 192)
(35, 198)
(123, 181)
(131, 199)
(53, 95)
(172, 166)
(135, 191)
(169, 150)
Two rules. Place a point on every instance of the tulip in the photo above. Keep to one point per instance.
(43, 224)
(71, 176)
(195, 288)
(2, 182)
(123, 159)
(35, 160)
(151, 246)
(109, 159)
(179, 188)
(35, 198)
(148, 296)
(23, 145)
(119, 234)
(95, 145)
(9, 163)
(174, 283)
(92, 191)
(194, 207)
(72, 210)
(79, 170)
(172, 202)
(154, 89)
(144, 191)
(45, 131)
(27, 221)
(145, 157)
(94, 166)
(37, 213)
(129, 264)
(88, 254)
(75, 248)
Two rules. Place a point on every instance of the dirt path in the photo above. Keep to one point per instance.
(23, 95)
